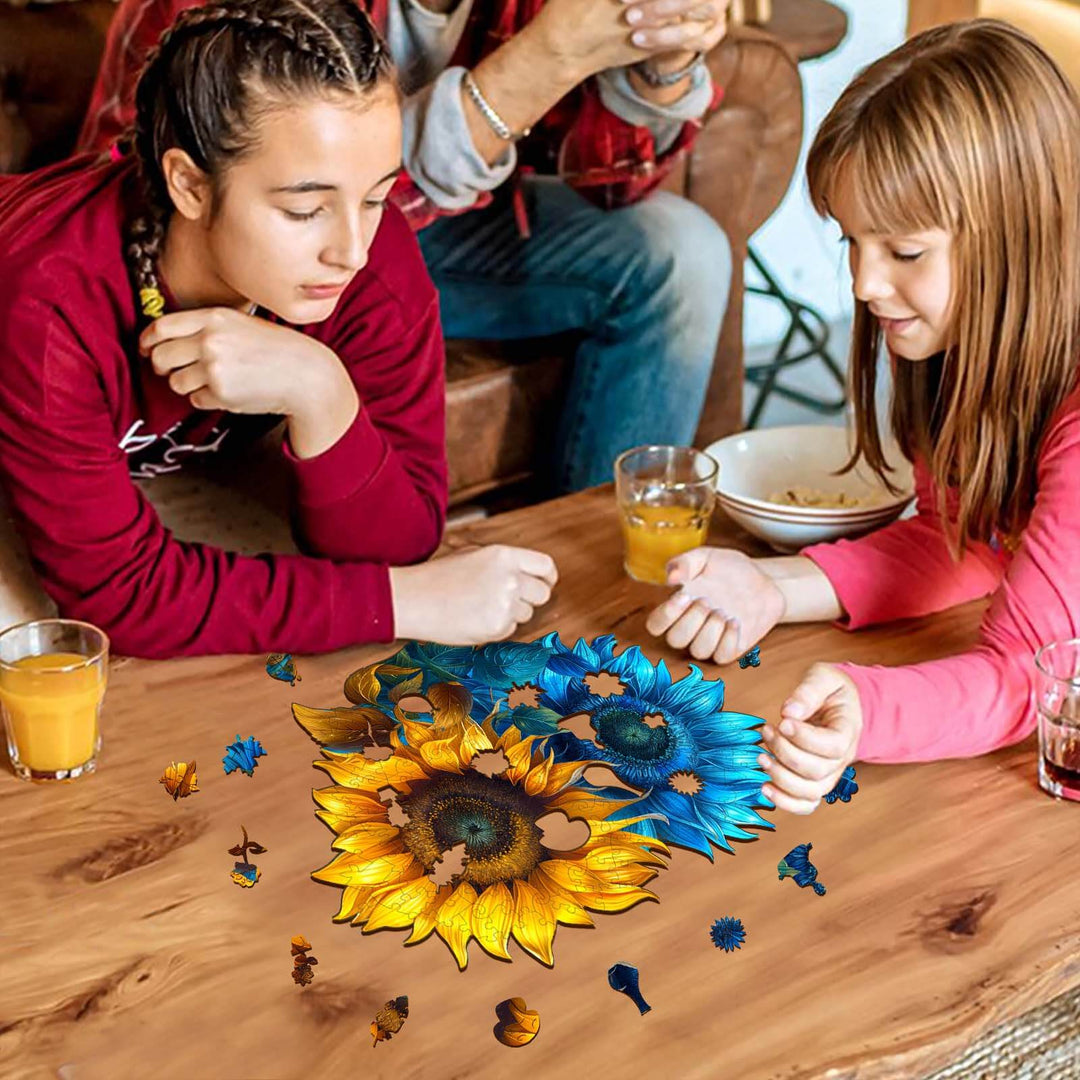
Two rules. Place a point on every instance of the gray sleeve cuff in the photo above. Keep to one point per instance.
(618, 96)
(438, 149)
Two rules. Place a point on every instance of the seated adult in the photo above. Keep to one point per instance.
(613, 92)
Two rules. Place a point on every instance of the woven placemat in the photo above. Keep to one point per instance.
(1043, 1044)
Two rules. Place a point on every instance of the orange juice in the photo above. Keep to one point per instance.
(655, 534)
(52, 716)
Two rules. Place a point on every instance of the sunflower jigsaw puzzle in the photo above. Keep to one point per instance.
(473, 755)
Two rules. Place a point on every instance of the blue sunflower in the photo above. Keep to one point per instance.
(489, 673)
(503, 666)
(696, 762)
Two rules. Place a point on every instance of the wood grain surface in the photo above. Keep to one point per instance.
(126, 951)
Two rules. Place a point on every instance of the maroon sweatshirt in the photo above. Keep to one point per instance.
(81, 412)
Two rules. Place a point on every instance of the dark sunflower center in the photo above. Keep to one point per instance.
(495, 820)
(625, 732)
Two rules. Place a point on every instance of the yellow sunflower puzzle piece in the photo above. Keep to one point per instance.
(518, 1025)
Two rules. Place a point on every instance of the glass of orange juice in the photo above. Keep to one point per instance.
(666, 496)
(52, 681)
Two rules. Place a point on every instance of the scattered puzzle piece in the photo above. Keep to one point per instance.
(728, 933)
(180, 779)
(845, 787)
(389, 1019)
(245, 873)
(302, 963)
(242, 754)
(624, 978)
(751, 658)
(518, 1024)
(796, 864)
(283, 667)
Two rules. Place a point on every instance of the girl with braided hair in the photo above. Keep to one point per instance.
(239, 267)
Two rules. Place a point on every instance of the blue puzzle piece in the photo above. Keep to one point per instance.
(242, 754)
(796, 864)
(728, 933)
(624, 978)
(751, 658)
(282, 666)
(845, 787)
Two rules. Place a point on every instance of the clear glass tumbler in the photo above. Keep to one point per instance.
(1057, 690)
(52, 681)
(666, 496)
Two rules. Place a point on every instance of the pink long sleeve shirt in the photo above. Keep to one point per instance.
(982, 699)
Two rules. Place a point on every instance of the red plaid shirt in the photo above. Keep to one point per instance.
(609, 161)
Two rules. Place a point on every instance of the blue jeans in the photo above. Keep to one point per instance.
(646, 287)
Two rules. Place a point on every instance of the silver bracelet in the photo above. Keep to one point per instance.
(495, 121)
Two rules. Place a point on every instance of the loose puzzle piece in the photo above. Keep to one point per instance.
(389, 1019)
(624, 978)
(728, 933)
(845, 787)
(180, 779)
(751, 658)
(245, 873)
(242, 754)
(302, 963)
(517, 1024)
(283, 667)
(796, 864)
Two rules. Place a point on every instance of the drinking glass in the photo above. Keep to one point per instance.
(52, 682)
(666, 496)
(1057, 689)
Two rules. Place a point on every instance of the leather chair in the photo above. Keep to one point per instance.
(502, 398)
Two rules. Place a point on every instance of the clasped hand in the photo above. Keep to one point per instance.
(588, 36)
(220, 358)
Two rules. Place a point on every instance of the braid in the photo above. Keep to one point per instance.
(195, 87)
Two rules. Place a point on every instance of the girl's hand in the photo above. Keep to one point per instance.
(725, 605)
(820, 726)
(220, 358)
(471, 597)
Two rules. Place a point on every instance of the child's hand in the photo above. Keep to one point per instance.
(819, 731)
(725, 605)
(219, 358)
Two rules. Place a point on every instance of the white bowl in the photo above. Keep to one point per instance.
(754, 464)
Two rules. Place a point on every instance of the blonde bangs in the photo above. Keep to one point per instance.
(891, 178)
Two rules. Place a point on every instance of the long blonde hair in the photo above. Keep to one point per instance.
(973, 129)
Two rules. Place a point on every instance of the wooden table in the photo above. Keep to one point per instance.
(126, 951)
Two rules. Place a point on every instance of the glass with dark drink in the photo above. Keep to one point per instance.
(1057, 689)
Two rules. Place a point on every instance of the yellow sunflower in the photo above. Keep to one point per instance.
(510, 883)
